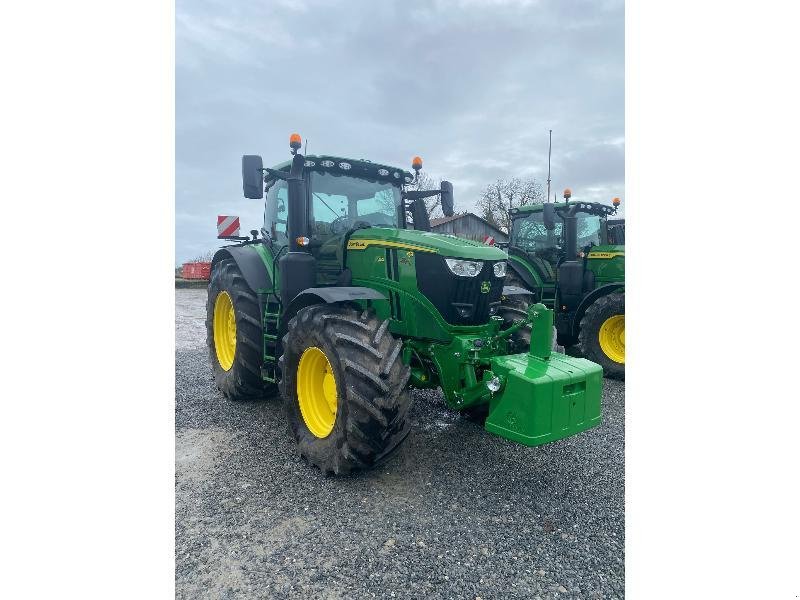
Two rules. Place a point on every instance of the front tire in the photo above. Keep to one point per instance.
(602, 334)
(513, 308)
(234, 335)
(344, 387)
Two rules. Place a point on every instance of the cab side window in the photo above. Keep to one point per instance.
(276, 213)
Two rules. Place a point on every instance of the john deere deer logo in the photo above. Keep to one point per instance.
(485, 287)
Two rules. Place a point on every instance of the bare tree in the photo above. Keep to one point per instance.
(205, 257)
(504, 194)
(433, 204)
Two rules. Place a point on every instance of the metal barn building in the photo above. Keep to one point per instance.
(469, 226)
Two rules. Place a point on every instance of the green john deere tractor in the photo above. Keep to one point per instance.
(571, 257)
(341, 307)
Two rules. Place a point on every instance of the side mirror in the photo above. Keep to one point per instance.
(549, 216)
(420, 215)
(253, 176)
(447, 198)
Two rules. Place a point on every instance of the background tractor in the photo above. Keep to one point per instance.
(342, 308)
(571, 257)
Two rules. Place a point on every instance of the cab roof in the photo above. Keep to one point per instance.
(592, 207)
(355, 167)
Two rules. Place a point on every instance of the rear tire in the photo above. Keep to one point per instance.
(606, 349)
(371, 401)
(574, 351)
(237, 369)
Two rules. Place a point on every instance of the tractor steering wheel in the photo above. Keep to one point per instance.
(342, 224)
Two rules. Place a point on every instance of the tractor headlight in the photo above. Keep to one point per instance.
(500, 269)
(464, 268)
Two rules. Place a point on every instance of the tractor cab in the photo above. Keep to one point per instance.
(538, 239)
(342, 196)
(531, 235)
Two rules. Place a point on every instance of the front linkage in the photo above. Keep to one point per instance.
(532, 398)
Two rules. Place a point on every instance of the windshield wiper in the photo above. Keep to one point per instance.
(337, 215)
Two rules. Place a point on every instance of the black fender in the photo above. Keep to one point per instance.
(250, 264)
(329, 295)
(588, 300)
(524, 274)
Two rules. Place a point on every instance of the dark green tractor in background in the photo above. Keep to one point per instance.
(341, 307)
(571, 257)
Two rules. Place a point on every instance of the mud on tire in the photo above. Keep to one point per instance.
(243, 380)
(372, 401)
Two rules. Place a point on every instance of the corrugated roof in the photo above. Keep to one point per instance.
(443, 220)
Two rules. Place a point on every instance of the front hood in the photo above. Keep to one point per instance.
(424, 241)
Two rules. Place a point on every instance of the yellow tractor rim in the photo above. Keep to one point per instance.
(316, 391)
(612, 338)
(224, 330)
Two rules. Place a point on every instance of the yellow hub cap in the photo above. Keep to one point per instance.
(224, 330)
(316, 392)
(612, 338)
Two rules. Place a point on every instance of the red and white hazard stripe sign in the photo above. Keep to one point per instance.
(227, 226)
(488, 240)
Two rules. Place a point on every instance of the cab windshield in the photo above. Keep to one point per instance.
(530, 234)
(340, 202)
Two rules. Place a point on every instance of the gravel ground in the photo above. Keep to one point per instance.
(456, 513)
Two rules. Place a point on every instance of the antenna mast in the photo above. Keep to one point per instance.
(549, 148)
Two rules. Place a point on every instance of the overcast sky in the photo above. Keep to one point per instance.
(471, 86)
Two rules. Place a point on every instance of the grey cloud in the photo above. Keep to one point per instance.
(470, 86)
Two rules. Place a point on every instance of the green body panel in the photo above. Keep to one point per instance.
(607, 262)
(369, 258)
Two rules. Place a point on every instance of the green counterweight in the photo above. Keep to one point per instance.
(546, 396)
